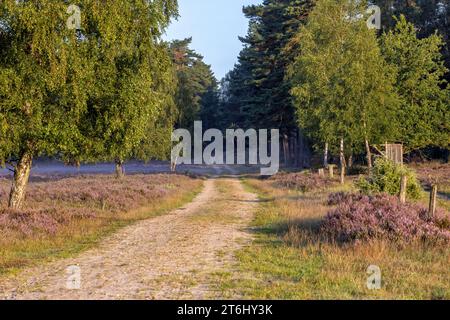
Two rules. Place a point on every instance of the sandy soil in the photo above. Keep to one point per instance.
(169, 257)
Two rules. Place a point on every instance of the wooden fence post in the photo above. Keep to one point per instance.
(403, 189)
(331, 170)
(433, 199)
(342, 161)
(321, 173)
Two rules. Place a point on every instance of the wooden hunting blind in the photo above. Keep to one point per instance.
(394, 152)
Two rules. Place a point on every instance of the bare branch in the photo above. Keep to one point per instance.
(378, 150)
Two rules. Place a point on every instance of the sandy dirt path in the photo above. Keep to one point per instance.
(169, 257)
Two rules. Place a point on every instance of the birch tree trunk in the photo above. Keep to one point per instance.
(286, 150)
(120, 173)
(368, 154)
(20, 180)
(342, 161)
(325, 156)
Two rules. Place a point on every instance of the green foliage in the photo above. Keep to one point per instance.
(211, 113)
(424, 117)
(316, 65)
(134, 81)
(88, 94)
(156, 143)
(341, 84)
(386, 177)
(197, 90)
(427, 16)
(44, 76)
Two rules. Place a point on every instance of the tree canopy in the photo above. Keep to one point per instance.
(196, 96)
(81, 93)
(342, 86)
(424, 116)
(427, 17)
(316, 65)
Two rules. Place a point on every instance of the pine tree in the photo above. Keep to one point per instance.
(257, 89)
(236, 93)
(272, 27)
(210, 112)
(197, 87)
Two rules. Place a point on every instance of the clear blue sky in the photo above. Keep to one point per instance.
(214, 26)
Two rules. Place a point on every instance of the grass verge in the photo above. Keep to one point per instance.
(288, 260)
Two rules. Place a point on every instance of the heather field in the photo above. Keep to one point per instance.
(65, 215)
(432, 172)
(436, 173)
(317, 242)
(211, 150)
(295, 235)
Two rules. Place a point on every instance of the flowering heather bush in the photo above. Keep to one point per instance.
(339, 197)
(303, 181)
(360, 217)
(101, 191)
(56, 201)
(386, 177)
(29, 222)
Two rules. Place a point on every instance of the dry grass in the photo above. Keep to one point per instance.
(302, 181)
(433, 172)
(291, 260)
(213, 212)
(64, 216)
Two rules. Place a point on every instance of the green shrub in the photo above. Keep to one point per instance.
(386, 177)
